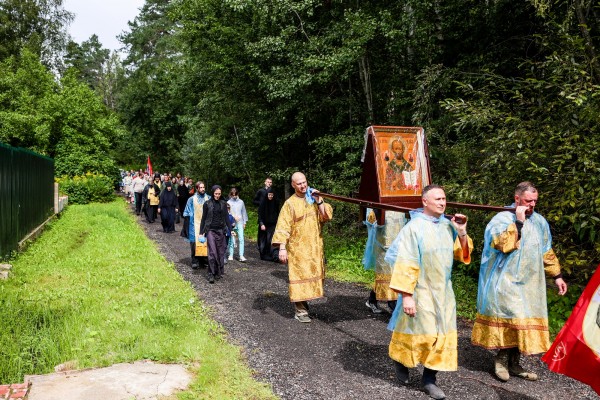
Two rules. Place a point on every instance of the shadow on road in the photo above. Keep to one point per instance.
(342, 308)
(268, 300)
(366, 359)
(279, 274)
(473, 358)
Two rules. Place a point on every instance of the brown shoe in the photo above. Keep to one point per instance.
(514, 367)
(501, 365)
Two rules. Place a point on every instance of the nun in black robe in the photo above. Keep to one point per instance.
(183, 194)
(168, 207)
(268, 212)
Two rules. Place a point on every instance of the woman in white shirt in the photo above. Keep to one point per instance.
(238, 210)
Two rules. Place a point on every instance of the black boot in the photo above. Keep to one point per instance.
(514, 366)
(429, 386)
(401, 373)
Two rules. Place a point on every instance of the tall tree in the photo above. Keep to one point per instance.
(64, 120)
(38, 25)
(98, 67)
(151, 103)
(89, 60)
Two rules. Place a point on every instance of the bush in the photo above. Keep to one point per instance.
(87, 188)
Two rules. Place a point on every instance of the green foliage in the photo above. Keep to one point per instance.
(64, 120)
(344, 250)
(560, 307)
(94, 65)
(157, 93)
(87, 130)
(27, 89)
(560, 155)
(87, 59)
(251, 231)
(465, 291)
(88, 188)
(507, 92)
(35, 25)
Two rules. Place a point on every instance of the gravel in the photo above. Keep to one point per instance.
(342, 354)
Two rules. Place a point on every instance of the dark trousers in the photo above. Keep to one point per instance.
(186, 228)
(264, 243)
(138, 202)
(217, 245)
(151, 213)
(429, 375)
(373, 300)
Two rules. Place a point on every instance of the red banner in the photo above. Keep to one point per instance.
(149, 167)
(576, 349)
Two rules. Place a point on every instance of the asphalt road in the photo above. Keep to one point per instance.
(342, 354)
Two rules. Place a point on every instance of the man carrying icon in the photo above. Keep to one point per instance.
(517, 257)
(424, 327)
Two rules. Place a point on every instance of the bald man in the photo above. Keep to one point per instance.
(424, 324)
(300, 241)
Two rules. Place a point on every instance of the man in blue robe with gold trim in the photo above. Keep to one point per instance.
(517, 257)
(193, 211)
(424, 323)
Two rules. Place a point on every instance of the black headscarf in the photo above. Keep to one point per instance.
(168, 197)
(155, 186)
(268, 210)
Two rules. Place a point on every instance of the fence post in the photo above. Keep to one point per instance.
(56, 204)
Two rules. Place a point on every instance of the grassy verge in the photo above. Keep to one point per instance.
(94, 291)
(251, 230)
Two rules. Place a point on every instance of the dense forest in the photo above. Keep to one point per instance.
(232, 90)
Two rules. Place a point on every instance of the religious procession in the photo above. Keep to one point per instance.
(349, 199)
(411, 247)
(213, 224)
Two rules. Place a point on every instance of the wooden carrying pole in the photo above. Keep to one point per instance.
(391, 207)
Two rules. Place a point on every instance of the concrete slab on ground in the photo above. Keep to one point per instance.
(142, 380)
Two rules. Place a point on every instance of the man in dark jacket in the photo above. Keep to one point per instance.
(262, 192)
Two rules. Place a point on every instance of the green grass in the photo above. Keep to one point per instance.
(251, 230)
(94, 291)
(344, 259)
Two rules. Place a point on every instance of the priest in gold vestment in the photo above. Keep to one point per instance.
(300, 241)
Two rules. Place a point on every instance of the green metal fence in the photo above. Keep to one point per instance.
(26, 194)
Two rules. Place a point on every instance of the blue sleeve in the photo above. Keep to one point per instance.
(189, 208)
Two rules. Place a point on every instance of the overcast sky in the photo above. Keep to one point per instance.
(105, 18)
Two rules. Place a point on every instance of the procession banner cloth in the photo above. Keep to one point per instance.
(149, 167)
(576, 349)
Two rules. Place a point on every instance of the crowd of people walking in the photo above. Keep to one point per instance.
(412, 263)
(213, 224)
